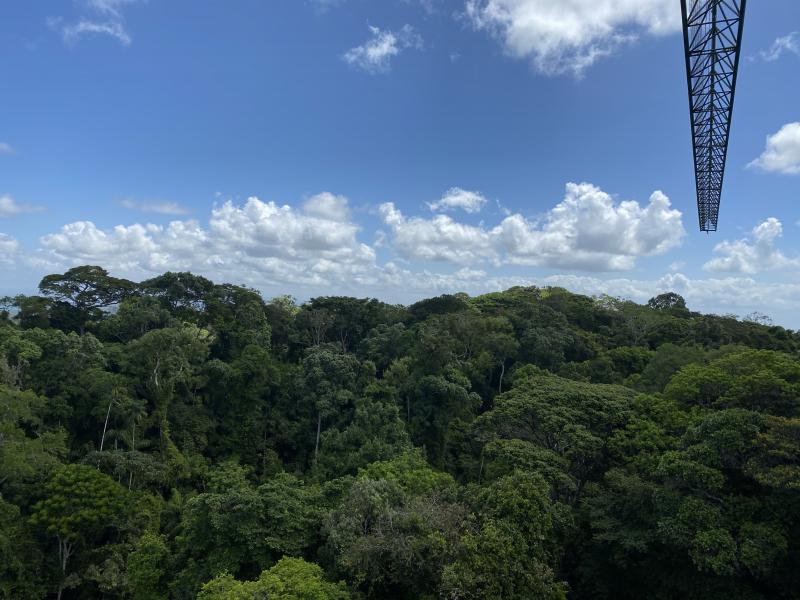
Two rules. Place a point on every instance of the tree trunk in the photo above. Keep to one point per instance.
(319, 427)
(105, 425)
(64, 552)
(502, 372)
(133, 448)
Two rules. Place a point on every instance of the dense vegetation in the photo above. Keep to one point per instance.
(179, 439)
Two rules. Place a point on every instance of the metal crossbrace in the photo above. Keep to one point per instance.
(712, 37)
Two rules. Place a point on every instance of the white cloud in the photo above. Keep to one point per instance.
(570, 35)
(74, 31)
(454, 198)
(314, 249)
(328, 206)
(586, 230)
(8, 249)
(787, 43)
(109, 7)
(10, 207)
(676, 266)
(375, 55)
(753, 255)
(742, 294)
(100, 17)
(259, 242)
(437, 239)
(161, 208)
(6, 148)
(782, 153)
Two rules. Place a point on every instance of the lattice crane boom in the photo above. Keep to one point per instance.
(712, 36)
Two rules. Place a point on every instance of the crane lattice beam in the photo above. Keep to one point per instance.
(712, 37)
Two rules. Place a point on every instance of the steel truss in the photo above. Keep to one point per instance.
(712, 36)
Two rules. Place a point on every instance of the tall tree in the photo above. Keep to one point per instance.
(87, 289)
(80, 506)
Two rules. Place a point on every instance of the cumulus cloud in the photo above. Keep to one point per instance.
(161, 208)
(782, 153)
(99, 17)
(755, 254)
(8, 249)
(258, 242)
(456, 198)
(721, 295)
(375, 55)
(437, 239)
(6, 148)
(589, 230)
(10, 207)
(570, 36)
(586, 230)
(313, 249)
(782, 45)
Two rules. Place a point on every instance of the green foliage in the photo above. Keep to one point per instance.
(29, 450)
(179, 437)
(80, 503)
(81, 509)
(20, 558)
(396, 528)
(147, 568)
(238, 528)
(289, 579)
(85, 289)
(493, 565)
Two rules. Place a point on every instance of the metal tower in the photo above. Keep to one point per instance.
(712, 37)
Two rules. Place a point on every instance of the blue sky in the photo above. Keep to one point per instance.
(398, 149)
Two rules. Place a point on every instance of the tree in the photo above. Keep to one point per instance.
(506, 556)
(350, 319)
(147, 566)
(237, 316)
(20, 559)
(569, 420)
(32, 311)
(87, 289)
(29, 450)
(329, 382)
(289, 579)
(183, 294)
(440, 403)
(222, 530)
(666, 360)
(164, 363)
(376, 433)
(530, 443)
(669, 301)
(80, 505)
(493, 565)
(761, 380)
(135, 316)
(18, 352)
(396, 528)
(237, 528)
